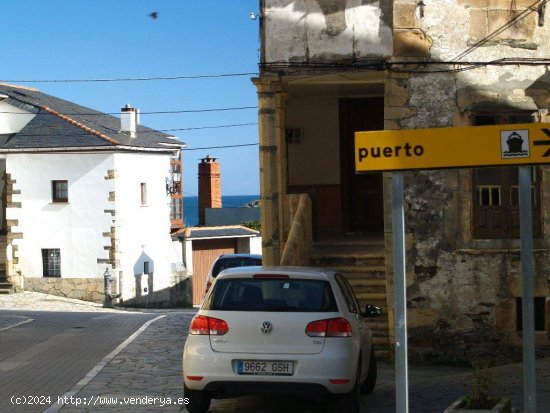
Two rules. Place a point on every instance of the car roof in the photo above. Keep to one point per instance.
(258, 256)
(292, 272)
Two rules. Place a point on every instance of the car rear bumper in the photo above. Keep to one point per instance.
(236, 388)
(217, 372)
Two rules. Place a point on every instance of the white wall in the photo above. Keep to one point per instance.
(300, 30)
(144, 231)
(80, 227)
(74, 227)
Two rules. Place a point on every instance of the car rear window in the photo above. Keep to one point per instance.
(287, 295)
(232, 262)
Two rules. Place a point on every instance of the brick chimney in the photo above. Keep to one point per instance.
(210, 190)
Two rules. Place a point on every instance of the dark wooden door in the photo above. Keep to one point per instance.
(362, 194)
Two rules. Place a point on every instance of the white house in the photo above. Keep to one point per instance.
(85, 192)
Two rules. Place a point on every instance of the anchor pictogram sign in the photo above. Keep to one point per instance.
(544, 142)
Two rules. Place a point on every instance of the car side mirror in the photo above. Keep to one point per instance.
(372, 311)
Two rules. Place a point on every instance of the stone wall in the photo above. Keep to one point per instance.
(462, 292)
(92, 289)
(179, 295)
(87, 289)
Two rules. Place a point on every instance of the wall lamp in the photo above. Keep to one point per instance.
(254, 16)
(175, 187)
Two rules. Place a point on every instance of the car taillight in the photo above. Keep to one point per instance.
(332, 327)
(209, 326)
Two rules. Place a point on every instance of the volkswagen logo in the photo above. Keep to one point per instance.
(266, 327)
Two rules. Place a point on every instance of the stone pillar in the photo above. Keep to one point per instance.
(270, 179)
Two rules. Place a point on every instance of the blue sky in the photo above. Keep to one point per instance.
(106, 39)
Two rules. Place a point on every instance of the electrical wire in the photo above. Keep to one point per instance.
(159, 112)
(210, 127)
(221, 147)
(528, 10)
(77, 134)
(130, 79)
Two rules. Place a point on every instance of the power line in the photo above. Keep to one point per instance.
(130, 79)
(221, 147)
(528, 10)
(78, 134)
(159, 112)
(210, 127)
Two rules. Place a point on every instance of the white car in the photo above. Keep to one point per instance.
(280, 329)
(226, 261)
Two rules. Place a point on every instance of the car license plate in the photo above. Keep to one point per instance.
(265, 367)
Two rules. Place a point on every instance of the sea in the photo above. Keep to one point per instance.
(191, 205)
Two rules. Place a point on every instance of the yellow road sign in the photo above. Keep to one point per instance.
(498, 145)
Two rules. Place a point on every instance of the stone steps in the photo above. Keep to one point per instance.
(6, 287)
(362, 262)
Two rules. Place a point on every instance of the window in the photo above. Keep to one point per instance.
(60, 191)
(495, 200)
(143, 187)
(279, 295)
(347, 291)
(51, 262)
(176, 209)
(539, 312)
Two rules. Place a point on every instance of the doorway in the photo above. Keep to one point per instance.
(361, 194)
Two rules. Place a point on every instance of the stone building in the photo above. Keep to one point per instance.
(77, 201)
(330, 68)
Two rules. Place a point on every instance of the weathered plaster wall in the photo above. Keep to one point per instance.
(103, 225)
(327, 30)
(318, 120)
(461, 291)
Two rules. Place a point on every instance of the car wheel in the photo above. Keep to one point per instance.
(370, 382)
(350, 402)
(198, 401)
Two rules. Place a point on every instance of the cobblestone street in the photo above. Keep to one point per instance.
(144, 374)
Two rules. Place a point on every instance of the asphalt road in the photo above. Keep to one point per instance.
(57, 350)
(49, 352)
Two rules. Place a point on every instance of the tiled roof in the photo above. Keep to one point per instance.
(59, 123)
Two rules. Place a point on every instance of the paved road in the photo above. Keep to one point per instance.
(145, 376)
(150, 367)
(46, 353)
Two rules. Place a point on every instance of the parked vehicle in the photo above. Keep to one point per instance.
(226, 261)
(279, 329)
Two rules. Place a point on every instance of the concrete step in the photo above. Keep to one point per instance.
(371, 296)
(362, 262)
(347, 259)
(6, 288)
(368, 283)
(381, 341)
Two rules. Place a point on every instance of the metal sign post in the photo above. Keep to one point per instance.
(400, 295)
(436, 148)
(528, 313)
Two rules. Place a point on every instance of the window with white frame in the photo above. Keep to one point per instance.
(51, 262)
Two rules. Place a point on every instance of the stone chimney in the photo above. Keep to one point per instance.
(210, 191)
(128, 120)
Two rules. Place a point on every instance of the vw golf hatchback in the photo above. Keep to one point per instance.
(282, 329)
